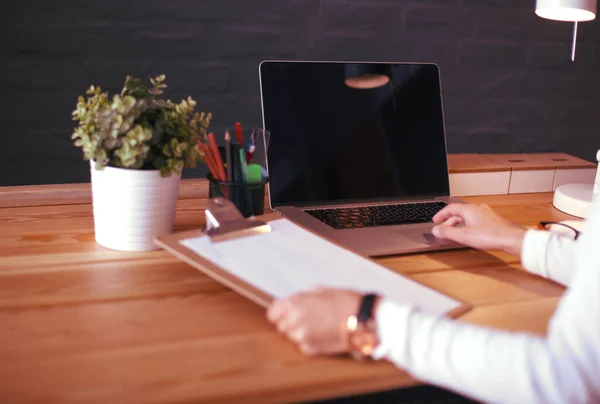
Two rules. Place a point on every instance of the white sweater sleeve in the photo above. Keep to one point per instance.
(550, 255)
(503, 367)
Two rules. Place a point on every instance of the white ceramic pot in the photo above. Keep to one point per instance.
(132, 207)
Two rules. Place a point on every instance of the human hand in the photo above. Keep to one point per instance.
(316, 320)
(483, 228)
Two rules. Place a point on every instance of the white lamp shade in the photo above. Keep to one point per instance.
(566, 10)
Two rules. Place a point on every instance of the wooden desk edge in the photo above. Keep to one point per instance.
(197, 188)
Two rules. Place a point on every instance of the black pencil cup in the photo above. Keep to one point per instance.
(248, 198)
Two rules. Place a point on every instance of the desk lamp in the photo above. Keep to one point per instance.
(567, 10)
(576, 199)
(573, 199)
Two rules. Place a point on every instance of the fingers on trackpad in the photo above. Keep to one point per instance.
(424, 236)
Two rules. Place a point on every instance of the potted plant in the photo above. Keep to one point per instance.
(137, 144)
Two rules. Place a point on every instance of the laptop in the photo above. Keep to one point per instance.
(357, 151)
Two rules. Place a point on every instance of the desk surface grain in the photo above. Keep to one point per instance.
(80, 323)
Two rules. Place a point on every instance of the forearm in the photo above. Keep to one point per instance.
(487, 365)
(549, 255)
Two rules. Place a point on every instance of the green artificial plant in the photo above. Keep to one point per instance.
(138, 129)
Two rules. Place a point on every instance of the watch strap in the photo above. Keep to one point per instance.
(365, 311)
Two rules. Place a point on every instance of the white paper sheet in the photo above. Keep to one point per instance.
(291, 259)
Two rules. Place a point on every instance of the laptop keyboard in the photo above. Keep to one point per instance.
(380, 215)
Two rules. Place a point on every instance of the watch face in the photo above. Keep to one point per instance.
(364, 341)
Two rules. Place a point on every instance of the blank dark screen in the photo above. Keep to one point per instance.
(333, 143)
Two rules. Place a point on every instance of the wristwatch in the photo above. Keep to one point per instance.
(362, 333)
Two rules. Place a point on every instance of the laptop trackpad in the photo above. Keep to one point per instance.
(425, 237)
(389, 240)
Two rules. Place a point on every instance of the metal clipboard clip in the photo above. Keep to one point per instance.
(225, 222)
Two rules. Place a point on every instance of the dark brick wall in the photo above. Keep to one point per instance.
(509, 85)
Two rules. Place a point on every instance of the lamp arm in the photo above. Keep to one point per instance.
(597, 180)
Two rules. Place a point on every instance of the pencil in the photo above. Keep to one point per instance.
(209, 160)
(212, 166)
(217, 156)
(228, 156)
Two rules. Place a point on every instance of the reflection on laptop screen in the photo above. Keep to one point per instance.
(343, 132)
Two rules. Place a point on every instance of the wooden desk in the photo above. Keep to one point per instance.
(79, 323)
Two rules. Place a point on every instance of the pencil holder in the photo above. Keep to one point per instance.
(249, 198)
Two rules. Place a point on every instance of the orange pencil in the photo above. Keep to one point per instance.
(214, 170)
(212, 166)
(209, 160)
(217, 156)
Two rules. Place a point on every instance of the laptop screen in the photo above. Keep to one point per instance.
(351, 132)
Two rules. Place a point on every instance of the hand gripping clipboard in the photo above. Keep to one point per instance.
(266, 260)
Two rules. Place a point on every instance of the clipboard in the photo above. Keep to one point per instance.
(219, 251)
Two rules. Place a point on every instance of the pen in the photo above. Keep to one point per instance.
(244, 166)
(238, 129)
(250, 148)
(228, 156)
(250, 153)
